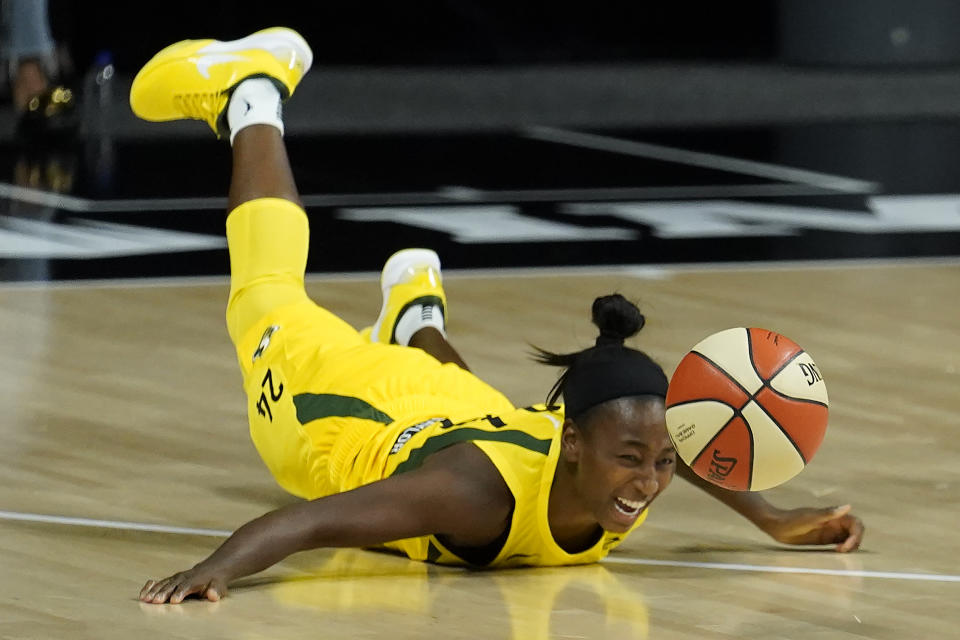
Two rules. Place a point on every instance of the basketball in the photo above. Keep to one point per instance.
(747, 409)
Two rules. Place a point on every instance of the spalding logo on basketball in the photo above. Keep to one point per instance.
(747, 409)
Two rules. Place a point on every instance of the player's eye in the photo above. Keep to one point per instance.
(630, 458)
(663, 462)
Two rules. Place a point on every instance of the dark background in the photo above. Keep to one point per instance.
(434, 32)
(445, 96)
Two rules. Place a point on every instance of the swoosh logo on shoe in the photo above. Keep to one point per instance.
(205, 62)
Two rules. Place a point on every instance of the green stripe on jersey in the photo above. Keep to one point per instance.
(433, 552)
(314, 406)
(435, 443)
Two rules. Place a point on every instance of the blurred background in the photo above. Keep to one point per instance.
(500, 64)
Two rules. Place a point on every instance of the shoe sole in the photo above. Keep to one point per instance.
(401, 260)
(392, 275)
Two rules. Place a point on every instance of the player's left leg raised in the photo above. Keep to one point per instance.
(193, 79)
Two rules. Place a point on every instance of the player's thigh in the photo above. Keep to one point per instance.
(406, 385)
(268, 241)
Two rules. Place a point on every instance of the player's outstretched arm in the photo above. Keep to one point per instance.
(820, 526)
(458, 492)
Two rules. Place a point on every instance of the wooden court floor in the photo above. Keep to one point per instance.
(122, 406)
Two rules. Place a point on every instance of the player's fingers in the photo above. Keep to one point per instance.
(215, 590)
(151, 594)
(146, 589)
(183, 590)
(157, 585)
(164, 594)
(162, 590)
(854, 537)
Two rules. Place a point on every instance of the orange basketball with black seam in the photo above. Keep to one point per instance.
(747, 409)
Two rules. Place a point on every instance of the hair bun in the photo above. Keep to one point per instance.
(617, 318)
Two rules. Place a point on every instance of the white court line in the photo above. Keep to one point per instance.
(43, 198)
(444, 195)
(760, 568)
(657, 270)
(700, 159)
(722, 566)
(468, 194)
(110, 524)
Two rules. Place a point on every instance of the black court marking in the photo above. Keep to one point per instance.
(546, 214)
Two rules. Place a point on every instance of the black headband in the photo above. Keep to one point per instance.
(611, 371)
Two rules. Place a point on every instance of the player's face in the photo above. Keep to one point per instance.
(626, 459)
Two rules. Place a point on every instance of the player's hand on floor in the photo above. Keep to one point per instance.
(174, 589)
(831, 525)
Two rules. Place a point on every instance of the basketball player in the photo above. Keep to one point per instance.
(401, 447)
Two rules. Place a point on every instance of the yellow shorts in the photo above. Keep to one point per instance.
(322, 402)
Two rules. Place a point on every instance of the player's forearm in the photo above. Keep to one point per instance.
(260, 543)
(367, 516)
(267, 540)
(749, 504)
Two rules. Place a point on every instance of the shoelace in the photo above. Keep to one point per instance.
(201, 106)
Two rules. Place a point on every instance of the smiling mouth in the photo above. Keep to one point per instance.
(630, 508)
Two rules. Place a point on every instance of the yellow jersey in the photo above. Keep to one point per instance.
(524, 445)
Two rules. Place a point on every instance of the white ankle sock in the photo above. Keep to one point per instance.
(254, 101)
(417, 317)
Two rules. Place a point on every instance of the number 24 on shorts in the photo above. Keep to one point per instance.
(275, 393)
